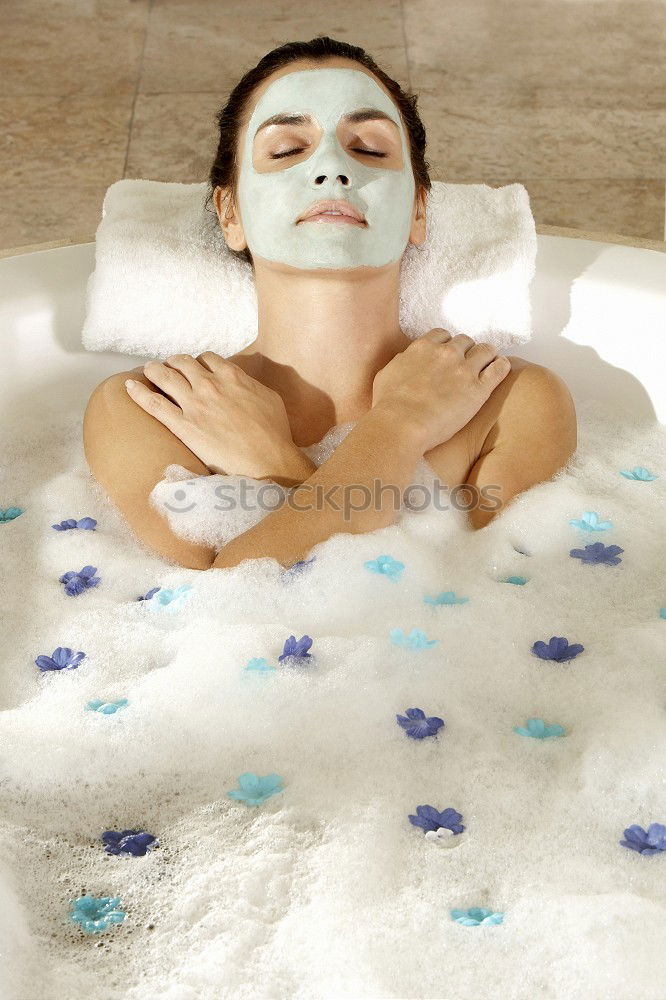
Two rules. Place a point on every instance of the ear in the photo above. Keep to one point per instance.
(229, 218)
(417, 233)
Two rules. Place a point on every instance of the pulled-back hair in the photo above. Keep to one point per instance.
(225, 169)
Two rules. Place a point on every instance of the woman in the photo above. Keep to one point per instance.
(318, 128)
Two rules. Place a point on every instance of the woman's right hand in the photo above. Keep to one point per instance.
(438, 383)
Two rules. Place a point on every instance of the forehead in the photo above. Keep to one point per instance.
(326, 94)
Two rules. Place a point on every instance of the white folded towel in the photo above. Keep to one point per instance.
(166, 283)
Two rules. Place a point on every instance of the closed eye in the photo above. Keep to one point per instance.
(290, 152)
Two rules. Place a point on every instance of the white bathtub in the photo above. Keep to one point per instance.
(315, 906)
(599, 320)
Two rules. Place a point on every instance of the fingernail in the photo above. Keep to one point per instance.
(129, 382)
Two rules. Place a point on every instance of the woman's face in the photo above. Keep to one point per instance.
(348, 143)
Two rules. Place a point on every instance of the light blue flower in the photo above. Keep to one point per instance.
(538, 730)
(415, 640)
(95, 915)
(445, 597)
(590, 522)
(519, 580)
(259, 663)
(386, 565)
(662, 612)
(106, 707)
(173, 599)
(475, 916)
(10, 513)
(254, 790)
(638, 472)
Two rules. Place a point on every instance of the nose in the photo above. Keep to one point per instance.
(330, 163)
(322, 178)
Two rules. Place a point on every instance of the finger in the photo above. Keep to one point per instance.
(462, 341)
(211, 360)
(189, 368)
(438, 335)
(156, 405)
(216, 364)
(481, 353)
(168, 379)
(493, 373)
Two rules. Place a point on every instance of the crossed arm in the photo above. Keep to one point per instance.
(128, 450)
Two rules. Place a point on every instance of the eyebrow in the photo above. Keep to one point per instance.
(364, 115)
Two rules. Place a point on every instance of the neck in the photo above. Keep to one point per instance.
(322, 338)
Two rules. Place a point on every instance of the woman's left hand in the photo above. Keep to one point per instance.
(229, 420)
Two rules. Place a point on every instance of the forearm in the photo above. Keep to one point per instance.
(288, 469)
(359, 489)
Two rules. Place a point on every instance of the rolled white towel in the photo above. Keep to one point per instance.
(165, 281)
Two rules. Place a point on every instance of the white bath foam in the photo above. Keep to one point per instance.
(327, 889)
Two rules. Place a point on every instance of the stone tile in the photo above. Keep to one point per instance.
(203, 46)
(632, 207)
(467, 135)
(174, 137)
(567, 97)
(542, 53)
(72, 47)
(58, 156)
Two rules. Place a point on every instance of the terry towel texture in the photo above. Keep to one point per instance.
(165, 281)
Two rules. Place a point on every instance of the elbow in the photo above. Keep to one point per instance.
(191, 561)
(190, 556)
(174, 550)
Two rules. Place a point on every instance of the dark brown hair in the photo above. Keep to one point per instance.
(225, 169)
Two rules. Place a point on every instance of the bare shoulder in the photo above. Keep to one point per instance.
(532, 400)
(529, 396)
(127, 451)
(112, 416)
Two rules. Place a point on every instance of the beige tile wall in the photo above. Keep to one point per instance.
(567, 97)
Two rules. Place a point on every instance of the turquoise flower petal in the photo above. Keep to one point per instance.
(385, 565)
(538, 730)
(106, 707)
(415, 640)
(254, 790)
(259, 663)
(95, 915)
(590, 522)
(520, 580)
(10, 513)
(638, 472)
(475, 916)
(445, 597)
(171, 598)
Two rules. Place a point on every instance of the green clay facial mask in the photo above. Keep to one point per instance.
(331, 164)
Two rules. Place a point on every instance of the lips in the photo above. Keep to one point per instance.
(320, 208)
